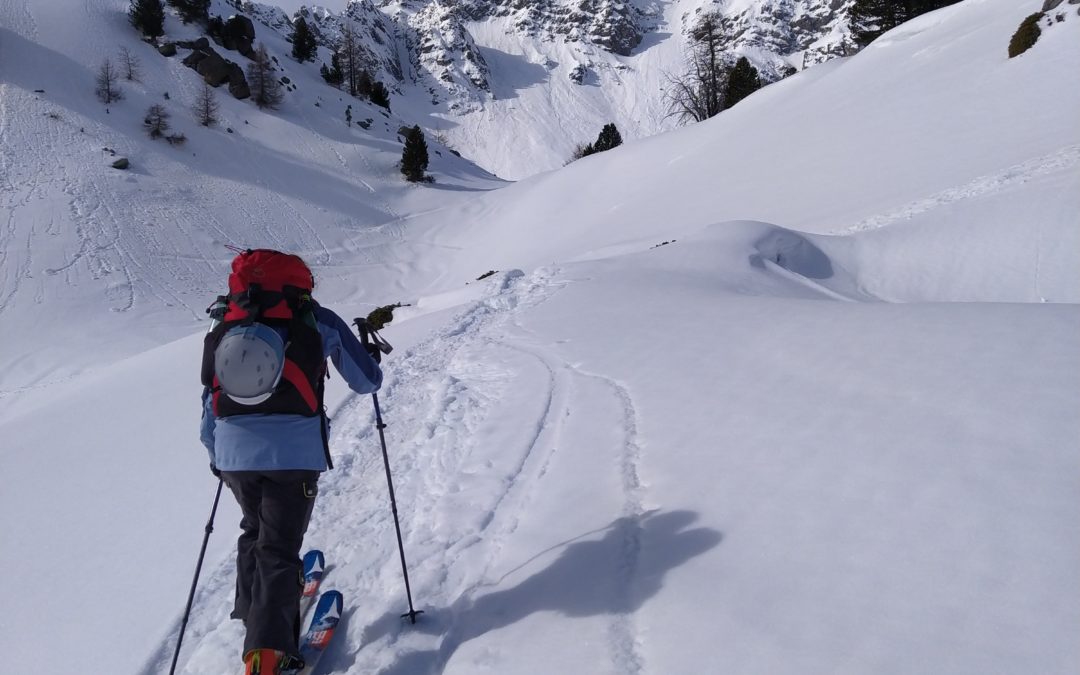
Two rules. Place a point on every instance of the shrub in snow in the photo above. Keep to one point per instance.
(1026, 35)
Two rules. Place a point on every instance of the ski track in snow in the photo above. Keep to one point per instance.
(623, 633)
(1060, 160)
(437, 401)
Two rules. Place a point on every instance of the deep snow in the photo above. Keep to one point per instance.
(840, 437)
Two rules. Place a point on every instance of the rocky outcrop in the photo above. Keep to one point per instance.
(614, 25)
(238, 35)
(442, 46)
(215, 69)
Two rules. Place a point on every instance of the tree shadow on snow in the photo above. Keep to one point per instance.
(612, 575)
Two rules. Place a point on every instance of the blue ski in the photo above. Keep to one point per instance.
(314, 568)
(323, 624)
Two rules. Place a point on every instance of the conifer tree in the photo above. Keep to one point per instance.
(206, 106)
(304, 46)
(609, 138)
(192, 10)
(333, 74)
(870, 18)
(414, 157)
(147, 16)
(380, 95)
(364, 84)
(743, 80)
(265, 88)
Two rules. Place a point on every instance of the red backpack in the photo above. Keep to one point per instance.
(271, 288)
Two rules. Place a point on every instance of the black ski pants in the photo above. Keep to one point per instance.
(269, 573)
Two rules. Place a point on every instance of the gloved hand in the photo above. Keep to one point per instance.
(374, 352)
(214, 470)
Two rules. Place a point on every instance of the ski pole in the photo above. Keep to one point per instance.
(195, 581)
(369, 335)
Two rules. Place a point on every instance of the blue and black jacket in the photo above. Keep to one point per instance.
(272, 442)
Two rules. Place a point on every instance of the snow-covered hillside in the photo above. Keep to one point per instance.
(792, 390)
(480, 72)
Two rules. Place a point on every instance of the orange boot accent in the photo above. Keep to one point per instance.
(263, 662)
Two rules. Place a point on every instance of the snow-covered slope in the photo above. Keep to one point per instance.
(931, 129)
(134, 250)
(728, 453)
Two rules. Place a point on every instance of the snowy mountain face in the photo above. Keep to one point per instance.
(483, 69)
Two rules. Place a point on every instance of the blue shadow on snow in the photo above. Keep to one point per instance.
(612, 575)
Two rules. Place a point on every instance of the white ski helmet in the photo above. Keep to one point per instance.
(248, 363)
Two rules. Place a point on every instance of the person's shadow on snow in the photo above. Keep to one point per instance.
(614, 574)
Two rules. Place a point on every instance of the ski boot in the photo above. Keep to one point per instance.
(271, 662)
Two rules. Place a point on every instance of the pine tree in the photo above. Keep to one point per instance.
(609, 138)
(380, 95)
(304, 47)
(333, 74)
(206, 106)
(743, 80)
(414, 157)
(192, 10)
(147, 16)
(265, 88)
(364, 84)
(870, 18)
(156, 121)
(107, 88)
